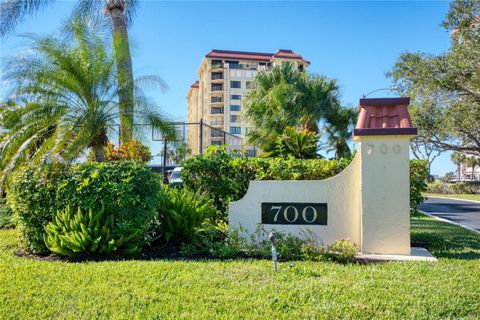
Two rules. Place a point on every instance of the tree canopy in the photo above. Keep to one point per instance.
(66, 99)
(445, 88)
(285, 97)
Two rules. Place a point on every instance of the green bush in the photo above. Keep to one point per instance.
(34, 200)
(418, 183)
(342, 251)
(224, 178)
(5, 214)
(470, 187)
(71, 234)
(181, 213)
(439, 187)
(219, 242)
(127, 190)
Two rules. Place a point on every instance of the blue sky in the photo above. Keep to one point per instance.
(353, 42)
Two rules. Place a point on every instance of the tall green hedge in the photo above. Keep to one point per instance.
(418, 183)
(127, 190)
(34, 200)
(224, 178)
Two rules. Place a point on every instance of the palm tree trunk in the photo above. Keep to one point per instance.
(115, 9)
(99, 153)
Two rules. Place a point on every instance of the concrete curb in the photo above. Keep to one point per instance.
(474, 201)
(448, 221)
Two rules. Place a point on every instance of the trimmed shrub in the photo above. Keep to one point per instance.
(418, 183)
(470, 187)
(127, 190)
(224, 178)
(71, 234)
(439, 187)
(342, 251)
(5, 214)
(34, 200)
(181, 213)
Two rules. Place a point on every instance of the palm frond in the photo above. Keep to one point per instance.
(14, 11)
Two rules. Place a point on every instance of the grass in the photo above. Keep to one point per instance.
(248, 289)
(475, 197)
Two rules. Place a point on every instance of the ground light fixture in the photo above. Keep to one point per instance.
(272, 237)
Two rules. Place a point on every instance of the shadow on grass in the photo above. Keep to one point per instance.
(445, 240)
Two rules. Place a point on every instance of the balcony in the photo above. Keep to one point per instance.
(216, 122)
(216, 100)
(217, 76)
(216, 133)
(243, 66)
(216, 110)
(216, 87)
(216, 67)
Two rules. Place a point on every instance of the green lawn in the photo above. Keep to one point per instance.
(248, 289)
(475, 197)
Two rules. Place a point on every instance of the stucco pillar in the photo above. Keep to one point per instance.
(384, 130)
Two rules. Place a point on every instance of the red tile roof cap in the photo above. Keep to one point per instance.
(384, 116)
(195, 85)
(241, 55)
(258, 56)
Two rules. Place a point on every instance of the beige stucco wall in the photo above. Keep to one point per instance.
(385, 198)
(341, 193)
(193, 117)
(368, 202)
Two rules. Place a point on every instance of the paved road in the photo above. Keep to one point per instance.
(463, 212)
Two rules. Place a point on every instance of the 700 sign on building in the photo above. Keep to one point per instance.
(294, 213)
(368, 202)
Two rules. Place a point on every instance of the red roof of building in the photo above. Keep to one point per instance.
(257, 56)
(195, 85)
(384, 116)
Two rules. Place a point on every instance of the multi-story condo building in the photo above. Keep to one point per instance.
(215, 100)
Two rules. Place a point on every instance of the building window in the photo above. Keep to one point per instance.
(216, 143)
(248, 85)
(216, 133)
(234, 107)
(235, 97)
(217, 75)
(217, 87)
(216, 99)
(236, 84)
(234, 118)
(217, 110)
(235, 130)
(250, 153)
(233, 64)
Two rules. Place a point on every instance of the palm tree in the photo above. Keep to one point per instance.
(67, 95)
(299, 144)
(120, 13)
(338, 130)
(285, 97)
(472, 162)
(458, 159)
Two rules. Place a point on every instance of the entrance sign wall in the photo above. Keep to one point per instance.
(368, 202)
